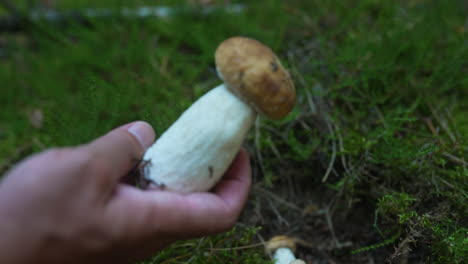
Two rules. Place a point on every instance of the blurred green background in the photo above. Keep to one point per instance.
(371, 166)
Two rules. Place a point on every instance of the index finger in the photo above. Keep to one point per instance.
(235, 185)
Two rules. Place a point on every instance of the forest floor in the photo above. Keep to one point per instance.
(370, 167)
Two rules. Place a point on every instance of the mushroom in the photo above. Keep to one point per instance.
(283, 248)
(194, 153)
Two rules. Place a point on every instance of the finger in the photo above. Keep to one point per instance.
(118, 151)
(235, 185)
(152, 213)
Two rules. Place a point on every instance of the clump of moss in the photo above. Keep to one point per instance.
(235, 246)
(396, 204)
(450, 242)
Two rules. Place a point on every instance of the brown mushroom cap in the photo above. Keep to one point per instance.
(253, 72)
(280, 242)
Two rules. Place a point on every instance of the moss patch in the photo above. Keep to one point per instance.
(371, 164)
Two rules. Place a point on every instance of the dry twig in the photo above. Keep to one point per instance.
(332, 160)
(277, 198)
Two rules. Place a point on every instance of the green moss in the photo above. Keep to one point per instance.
(235, 246)
(382, 105)
(395, 203)
(451, 244)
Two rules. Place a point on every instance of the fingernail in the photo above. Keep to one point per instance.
(143, 132)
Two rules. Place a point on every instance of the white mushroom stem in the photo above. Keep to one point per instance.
(193, 154)
(283, 256)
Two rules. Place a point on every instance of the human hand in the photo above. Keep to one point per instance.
(69, 205)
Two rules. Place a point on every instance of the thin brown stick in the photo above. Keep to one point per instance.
(310, 101)
(332, 229)
(455, 159)
(277, 198)
(333, 157)
(341, 146)
(278, 215)
(260, 244)
(275, 151)
(257, 145)
(442, 123)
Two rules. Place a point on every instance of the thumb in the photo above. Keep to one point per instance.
(118, 151)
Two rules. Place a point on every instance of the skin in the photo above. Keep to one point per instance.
(69, 205)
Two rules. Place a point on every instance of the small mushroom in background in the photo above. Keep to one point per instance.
(195, 152)
(282, 248)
